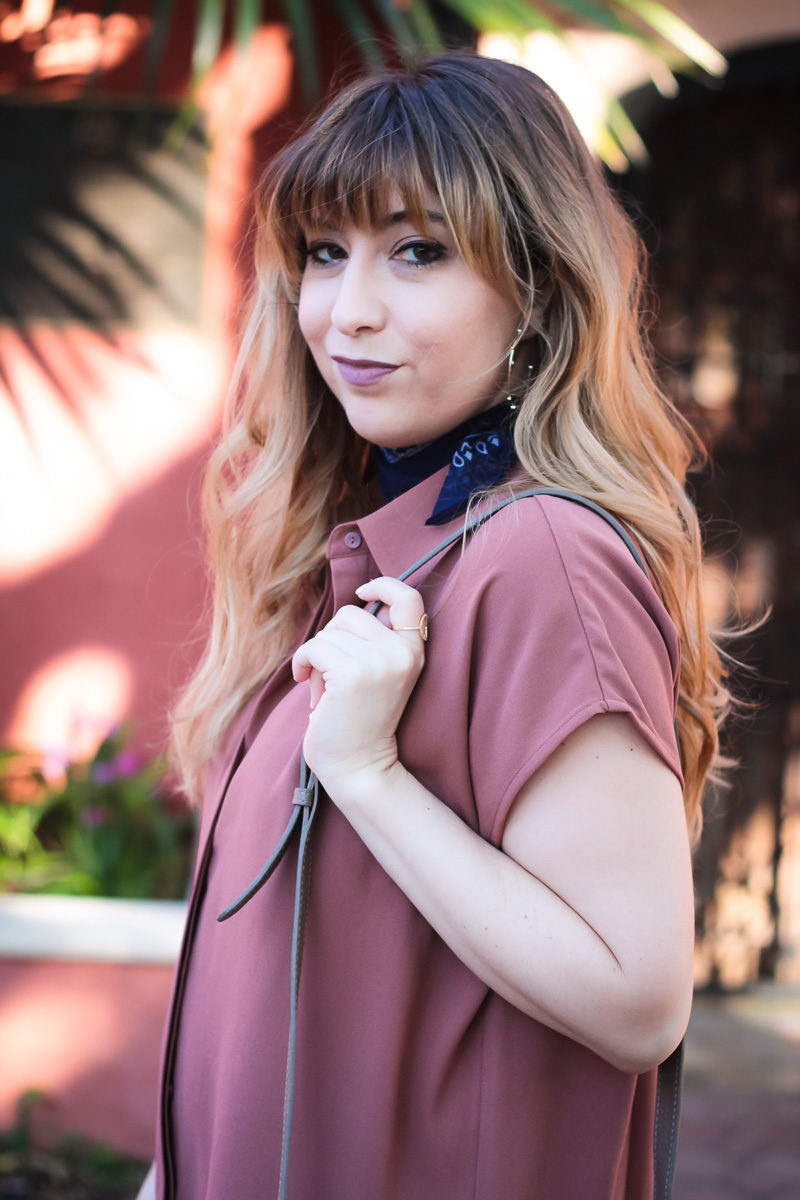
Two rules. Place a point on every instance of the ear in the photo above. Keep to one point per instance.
(544, 286)
(543, 292)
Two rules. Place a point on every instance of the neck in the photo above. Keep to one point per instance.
(400, 468)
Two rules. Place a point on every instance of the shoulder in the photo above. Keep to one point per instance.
(564, 625)
(561, 565)
(549, 532)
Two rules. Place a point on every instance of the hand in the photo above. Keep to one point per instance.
(361, 674)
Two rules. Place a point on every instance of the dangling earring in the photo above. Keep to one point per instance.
(511, 400)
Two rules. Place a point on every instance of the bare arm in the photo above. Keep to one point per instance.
(583, 919)
(148, 1189)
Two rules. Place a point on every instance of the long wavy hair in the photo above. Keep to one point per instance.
(531, 213)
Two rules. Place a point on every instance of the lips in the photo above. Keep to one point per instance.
(363, 371)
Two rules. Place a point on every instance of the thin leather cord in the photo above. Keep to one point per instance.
(266, 870)
(541, 491)
(298, 930)
(305, 802)
(665, 1131)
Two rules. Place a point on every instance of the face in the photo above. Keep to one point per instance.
(409, 339)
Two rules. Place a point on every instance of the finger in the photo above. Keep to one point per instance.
(319, 654)
(358, 621)
(362, 624)
(316, 685)
(387, 589)
(405, 605)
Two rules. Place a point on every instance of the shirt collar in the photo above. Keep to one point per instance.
(396, 534)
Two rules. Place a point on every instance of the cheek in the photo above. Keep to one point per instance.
(489, 312)
(468, 326)
(311, 314)
(438, 324)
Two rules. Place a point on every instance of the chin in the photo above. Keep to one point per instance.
(383, 433)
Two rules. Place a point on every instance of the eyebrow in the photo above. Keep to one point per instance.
(396, 218)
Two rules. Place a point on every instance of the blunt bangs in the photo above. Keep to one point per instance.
(377, 140)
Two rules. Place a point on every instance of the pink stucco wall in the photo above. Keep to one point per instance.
(102, 445)
(102, 442)
(88, 1035)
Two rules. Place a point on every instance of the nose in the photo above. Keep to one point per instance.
(358, 304)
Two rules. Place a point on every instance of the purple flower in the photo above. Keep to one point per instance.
(105, 772)
(125, 763)
(128, 763)
(96, 814)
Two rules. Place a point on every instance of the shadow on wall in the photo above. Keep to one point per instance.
(129, 603)
(115, 350)
(111, 390)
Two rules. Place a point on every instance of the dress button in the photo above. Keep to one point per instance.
(352, 540)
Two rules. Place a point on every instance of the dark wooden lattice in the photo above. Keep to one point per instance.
(720, 209)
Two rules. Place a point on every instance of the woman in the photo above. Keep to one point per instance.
(498, 947)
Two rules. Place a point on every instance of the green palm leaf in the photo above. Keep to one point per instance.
(362, 33)
(246, 20)
(677, 33)
(305, 47)
(207, 38)
(425, 24)
(156, 44)
(398, 23)
(412, 24)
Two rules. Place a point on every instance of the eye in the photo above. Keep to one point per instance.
(423, 254)
(323, 253)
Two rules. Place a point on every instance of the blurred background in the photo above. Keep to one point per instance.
(131, 137)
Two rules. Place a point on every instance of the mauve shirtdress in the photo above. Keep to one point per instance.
(415, 1081)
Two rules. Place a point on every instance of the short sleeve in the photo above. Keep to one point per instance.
(566, 625)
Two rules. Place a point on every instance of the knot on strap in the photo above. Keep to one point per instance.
(303, 796)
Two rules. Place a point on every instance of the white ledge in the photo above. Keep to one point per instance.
(91, 928)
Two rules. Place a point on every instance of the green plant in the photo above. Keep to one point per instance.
(74, 1167)
(376, 30)
(106, 827)
(379, 28)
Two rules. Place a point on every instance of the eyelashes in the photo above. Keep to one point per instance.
(314, 251)
(426, 253)
(433, 250)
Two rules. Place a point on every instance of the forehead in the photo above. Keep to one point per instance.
(387, 206)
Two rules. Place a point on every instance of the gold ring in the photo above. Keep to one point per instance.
(421, 628)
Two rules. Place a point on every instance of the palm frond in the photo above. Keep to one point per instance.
(246, 20)
(671, 43)
(305, 47)
(156, 45)
(425, 25)
(398, 23)
(677, 33)
(362, 33)
(207, 38)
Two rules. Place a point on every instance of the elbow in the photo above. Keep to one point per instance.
(640, 1055)
(648, 1032)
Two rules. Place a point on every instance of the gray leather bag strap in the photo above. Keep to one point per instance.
(304, 809)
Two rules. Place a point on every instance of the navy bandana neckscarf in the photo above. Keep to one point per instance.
(480, 452)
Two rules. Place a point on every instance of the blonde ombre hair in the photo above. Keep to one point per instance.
(531, 213)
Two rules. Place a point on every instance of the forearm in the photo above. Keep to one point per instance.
(507, 926)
